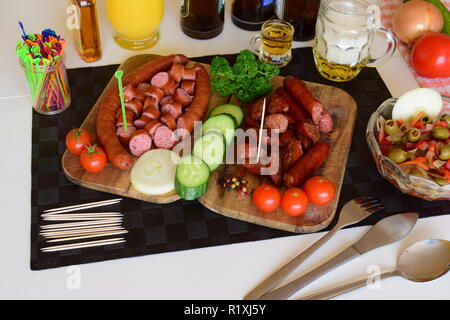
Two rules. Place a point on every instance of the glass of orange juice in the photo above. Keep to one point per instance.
(135, 22)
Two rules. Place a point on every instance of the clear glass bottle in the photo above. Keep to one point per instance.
(202, 19)
(83, 20)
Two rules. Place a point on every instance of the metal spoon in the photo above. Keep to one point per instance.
(423, 261)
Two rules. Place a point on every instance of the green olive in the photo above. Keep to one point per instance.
(397, 155)
(441, 133)
(391, 127)
(444, 152)
(413, 135)
(441, 181)
(416, 172)
(426, 119)
(445, 117)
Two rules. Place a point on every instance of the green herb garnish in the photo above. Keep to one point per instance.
(248, 79)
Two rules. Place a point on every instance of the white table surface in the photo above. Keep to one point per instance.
(223, 272)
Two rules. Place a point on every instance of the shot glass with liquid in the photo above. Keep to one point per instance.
(274, 43)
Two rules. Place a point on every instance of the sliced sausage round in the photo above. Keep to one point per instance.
(167, 120)
(170, 87)
(155, 93)
(150, 102)
(152, 112)
(326, 122)
(308, 130)
(142, 121)
(181, 96)
(165, 100)
(277, 104)
(140, 142)
(129, 115)
(125, 135)
(135, 106)
(189, 74)
(176, 72)
(143, 86)
(152, 126)
(174, 109)
(160, 79)
(276, 121)
(164, 138)
(188, 86)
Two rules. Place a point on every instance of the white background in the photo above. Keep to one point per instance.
(224, 272)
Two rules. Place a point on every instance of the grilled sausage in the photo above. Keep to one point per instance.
(304, 97)
(106, 115)
(291, 154)
(277, 104)
(306, 165)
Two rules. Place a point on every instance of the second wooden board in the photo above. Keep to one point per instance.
(229, 203)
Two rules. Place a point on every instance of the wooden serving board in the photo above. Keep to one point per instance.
(229, 203)
(111, 179)
(344, 110)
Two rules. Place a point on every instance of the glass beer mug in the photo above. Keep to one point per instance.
(344, 35)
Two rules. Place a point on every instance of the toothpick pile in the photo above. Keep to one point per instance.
(74, 225)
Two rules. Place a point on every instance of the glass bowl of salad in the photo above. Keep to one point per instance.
(413, 155)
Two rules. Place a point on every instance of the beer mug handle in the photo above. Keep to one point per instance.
(391, 46)
(255, 44)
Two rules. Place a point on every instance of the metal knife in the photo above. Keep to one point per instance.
(386, 231)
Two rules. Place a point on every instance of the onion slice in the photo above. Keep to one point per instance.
(154, 172)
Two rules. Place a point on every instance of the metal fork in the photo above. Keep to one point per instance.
(353, 211)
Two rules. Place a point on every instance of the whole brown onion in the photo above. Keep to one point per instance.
(415, 18)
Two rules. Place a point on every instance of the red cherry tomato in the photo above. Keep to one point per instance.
(76, 139)
(430, 56)
(93, 158)
(294, 202)
(320, 191)
(266, 198)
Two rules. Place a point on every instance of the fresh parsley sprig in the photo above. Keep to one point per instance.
(248, 79)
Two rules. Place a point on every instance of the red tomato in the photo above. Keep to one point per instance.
(320, 191)
(266, 198)
(294, 202)
(93, 158)
(76, 139)
(430, 56)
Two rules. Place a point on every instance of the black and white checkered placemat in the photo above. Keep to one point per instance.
(184, 225)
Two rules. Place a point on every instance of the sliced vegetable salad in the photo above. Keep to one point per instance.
(420, 146)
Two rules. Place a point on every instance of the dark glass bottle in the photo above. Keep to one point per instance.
(251, 14)
(202, 19)
(302, 14)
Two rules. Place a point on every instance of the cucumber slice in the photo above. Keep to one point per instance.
(229, 109)
(191, 178)
(211, 149)
(222, 123)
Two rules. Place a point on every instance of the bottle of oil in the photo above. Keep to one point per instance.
(302, 14)
(202, 19)
(251, 14)
(83, 20)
